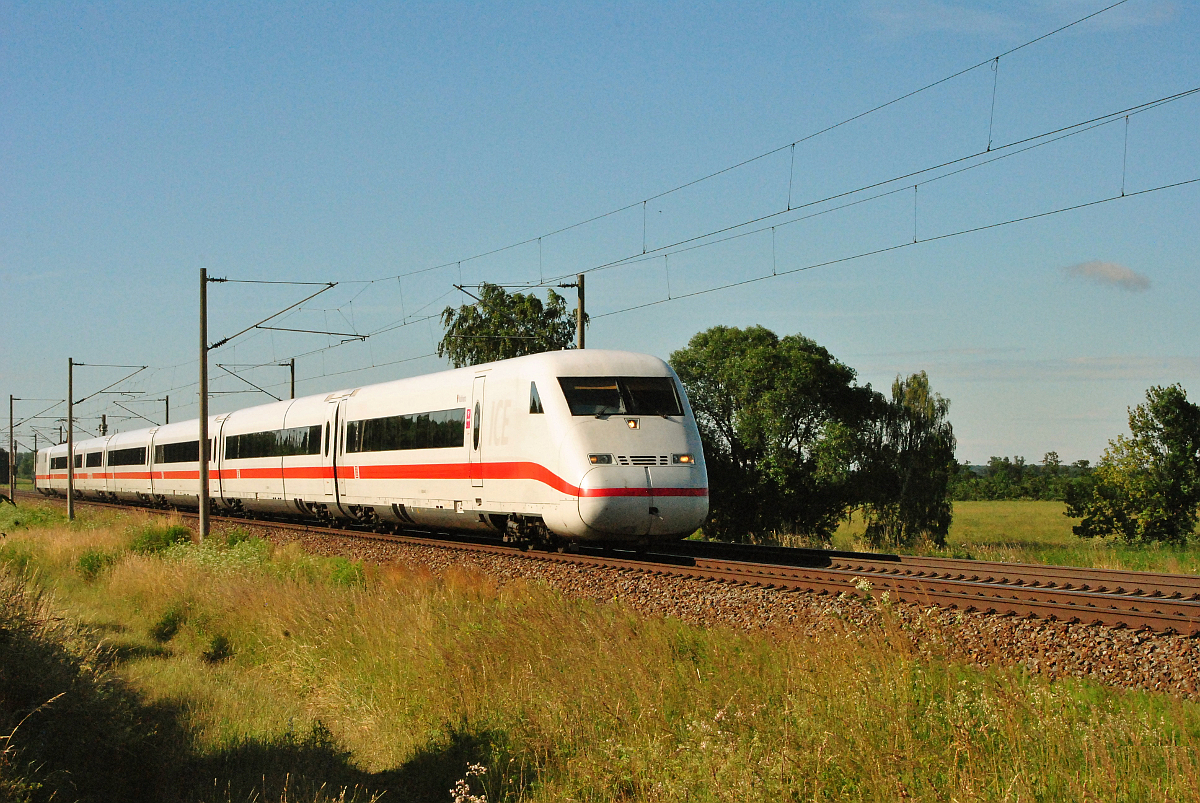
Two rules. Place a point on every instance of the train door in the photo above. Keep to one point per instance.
(339, 449)
(216, 458)
(99, 468)
(475, 419)
(155, 487)
(329, 452)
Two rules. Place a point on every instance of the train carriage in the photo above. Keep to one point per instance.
(55, 478)
(562, 446)
(304, 450)
(251, 460)
(91, 478)
(127, 463)
(175, 463)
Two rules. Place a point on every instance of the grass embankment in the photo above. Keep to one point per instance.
(239, 671)
(1035, 532)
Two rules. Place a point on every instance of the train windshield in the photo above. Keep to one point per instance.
(621, 395)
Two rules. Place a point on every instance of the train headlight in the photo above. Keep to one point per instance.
(683, 459)
(600, 459)
(632, 423)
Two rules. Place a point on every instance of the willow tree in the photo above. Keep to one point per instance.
(503, 325)
(906, 463)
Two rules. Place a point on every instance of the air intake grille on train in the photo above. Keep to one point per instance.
(643, 460)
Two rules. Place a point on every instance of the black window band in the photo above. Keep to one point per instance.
(440, 429)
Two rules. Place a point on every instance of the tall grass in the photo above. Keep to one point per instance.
(69, 730)
(1033, 532)
(400, 681)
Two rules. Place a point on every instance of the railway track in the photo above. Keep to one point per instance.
(1162, 603)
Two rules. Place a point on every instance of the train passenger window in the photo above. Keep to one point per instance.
(274, 443)
(95, 459)
(135, 456)
(79, 461)
(535, 401)
(326, 440)
(440, 429)
(58, 463)
(251, 444)
(300, 440)
(186, 452)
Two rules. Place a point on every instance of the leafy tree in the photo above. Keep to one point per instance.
(907, 463)
(1147, 486)
(504, 325)
(778, 418)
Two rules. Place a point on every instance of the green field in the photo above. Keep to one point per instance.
(241, 671)
(1036, 532)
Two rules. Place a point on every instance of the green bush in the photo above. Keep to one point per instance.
(154, 539)
(92, 562)
(219, 649)
(168, 625)
(347, 572)
(237, 536)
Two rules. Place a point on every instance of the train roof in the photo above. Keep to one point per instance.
(569, 362)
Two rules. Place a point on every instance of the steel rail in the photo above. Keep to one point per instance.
(1055, 593)
(1114, 581)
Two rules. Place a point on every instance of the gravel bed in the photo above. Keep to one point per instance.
(1117, 657)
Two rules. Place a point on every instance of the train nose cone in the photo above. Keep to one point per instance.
(617, 500)
(635, 501)
(679, 498)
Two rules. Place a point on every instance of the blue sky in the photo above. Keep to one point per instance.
(360, 142)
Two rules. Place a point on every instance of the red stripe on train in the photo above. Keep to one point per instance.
(431, 471)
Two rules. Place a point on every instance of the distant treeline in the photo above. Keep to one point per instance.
(1013, 478)
(25, 461)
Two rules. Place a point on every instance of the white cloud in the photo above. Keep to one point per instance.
(1110, 273)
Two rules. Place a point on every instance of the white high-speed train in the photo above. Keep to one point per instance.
(565, 446)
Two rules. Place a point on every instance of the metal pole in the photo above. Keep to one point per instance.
(292, 363)
(12, 454)
(579, 313)
(167, 409)
(203, 403)
(70, 439)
